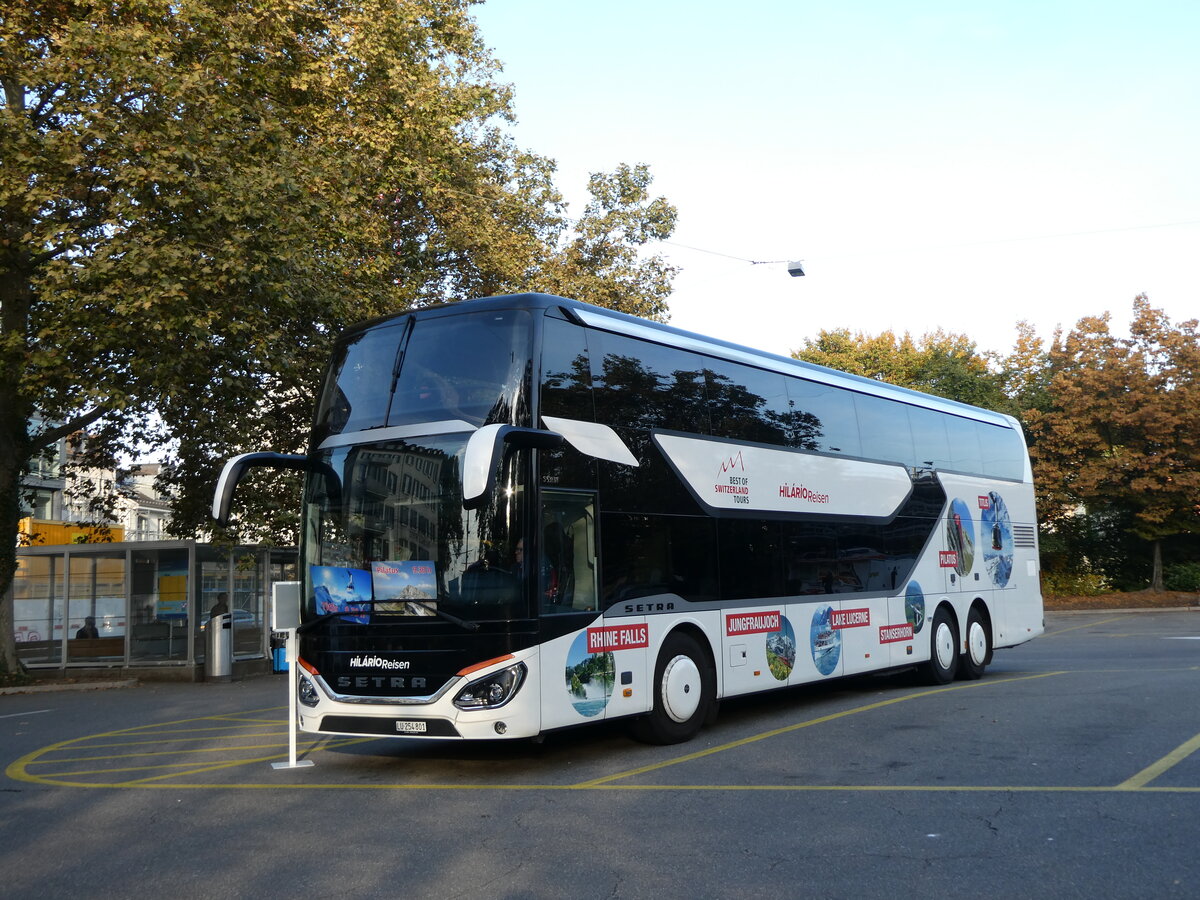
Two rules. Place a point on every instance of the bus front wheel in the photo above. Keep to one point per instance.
(943, 650)
(685, 686)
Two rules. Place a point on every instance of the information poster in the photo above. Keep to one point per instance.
(408, 587)
(336, 589)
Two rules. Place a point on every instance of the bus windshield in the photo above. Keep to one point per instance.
(471, 367)
(384, 516)
(385, 522)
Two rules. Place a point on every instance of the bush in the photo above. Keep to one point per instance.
(1182, 577)
(1074, 584)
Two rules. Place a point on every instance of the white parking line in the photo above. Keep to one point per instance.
(32, 712)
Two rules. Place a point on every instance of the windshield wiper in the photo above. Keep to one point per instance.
(462, 623)
(342, 613)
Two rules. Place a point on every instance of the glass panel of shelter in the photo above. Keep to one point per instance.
(38, 608)
(96, 618)
(158, 604)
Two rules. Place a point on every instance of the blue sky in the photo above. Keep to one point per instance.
(935, 164)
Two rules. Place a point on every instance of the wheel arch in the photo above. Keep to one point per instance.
(696, 632)
(944, 603)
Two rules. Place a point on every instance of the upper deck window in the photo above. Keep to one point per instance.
(358, 388)
(474, 367)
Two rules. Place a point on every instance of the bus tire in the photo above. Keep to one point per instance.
(943, 648)
(979, 647)
(685, 687)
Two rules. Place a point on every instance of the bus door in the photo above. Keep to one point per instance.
(577, 681)
(568, 581)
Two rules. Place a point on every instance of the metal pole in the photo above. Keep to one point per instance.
(293, 683)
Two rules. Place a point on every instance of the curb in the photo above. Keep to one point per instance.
(78, 686)
(1134, 609)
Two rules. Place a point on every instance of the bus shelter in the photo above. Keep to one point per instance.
(143, 605)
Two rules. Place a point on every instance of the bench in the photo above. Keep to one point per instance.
(95, 648)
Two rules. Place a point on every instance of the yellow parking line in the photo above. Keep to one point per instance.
(641, 770)
(145, 753)
(1155, 769)
(325, 744)
(183, 740)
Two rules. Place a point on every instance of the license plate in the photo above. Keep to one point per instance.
(408, 726)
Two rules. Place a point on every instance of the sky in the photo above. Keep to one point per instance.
(953, 165)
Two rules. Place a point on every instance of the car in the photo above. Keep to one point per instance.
(242, 618)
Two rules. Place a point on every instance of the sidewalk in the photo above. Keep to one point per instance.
(50, 687)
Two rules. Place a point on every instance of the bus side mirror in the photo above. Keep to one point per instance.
(482, 456)
(236, 468)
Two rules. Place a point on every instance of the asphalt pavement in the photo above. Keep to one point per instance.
(1069, 770)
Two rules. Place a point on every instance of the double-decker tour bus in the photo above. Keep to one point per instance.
(524, 513)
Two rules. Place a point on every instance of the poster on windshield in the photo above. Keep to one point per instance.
(408, 587)
(337, 589)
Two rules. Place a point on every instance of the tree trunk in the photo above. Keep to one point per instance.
(1156, 578)
(16, 407)
(10, 512)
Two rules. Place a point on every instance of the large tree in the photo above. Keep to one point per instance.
(948, 365)
(1120, 434)
(196, 194)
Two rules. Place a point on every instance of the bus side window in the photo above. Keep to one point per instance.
(644, 386)
(747, 404)
(645, 556)
(822, 418)
(886, 432)
(964, 445)
(566, 377)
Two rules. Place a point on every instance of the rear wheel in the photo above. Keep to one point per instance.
(943, 651)
(685, 686)
(979, 647)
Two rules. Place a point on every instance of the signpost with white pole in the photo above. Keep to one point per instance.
(285, 617)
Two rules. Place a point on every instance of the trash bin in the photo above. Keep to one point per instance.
(218, 648)
(278, 652)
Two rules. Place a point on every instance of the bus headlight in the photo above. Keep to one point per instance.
(492, 690)
(306, 692)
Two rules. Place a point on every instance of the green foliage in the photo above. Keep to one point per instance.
(1182, 577)
(197, 195)
(947, 365)
(1121, 428)
(1096, 543)
(600, 262)
(1074, 584)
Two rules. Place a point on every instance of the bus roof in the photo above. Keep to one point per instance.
(622, 323)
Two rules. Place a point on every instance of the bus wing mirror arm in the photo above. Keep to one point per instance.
(483, 453)
(236, 468)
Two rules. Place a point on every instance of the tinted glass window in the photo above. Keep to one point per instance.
(930, 443)
(643, 385)
(747, 404)
(475, 367)
(649, 487)
(822, 418)
(886, 433)
(647, 555)
(566, 377)
(751, 564)
(380, 515)
(1003, 453)
(965, 452)
(358, 389)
